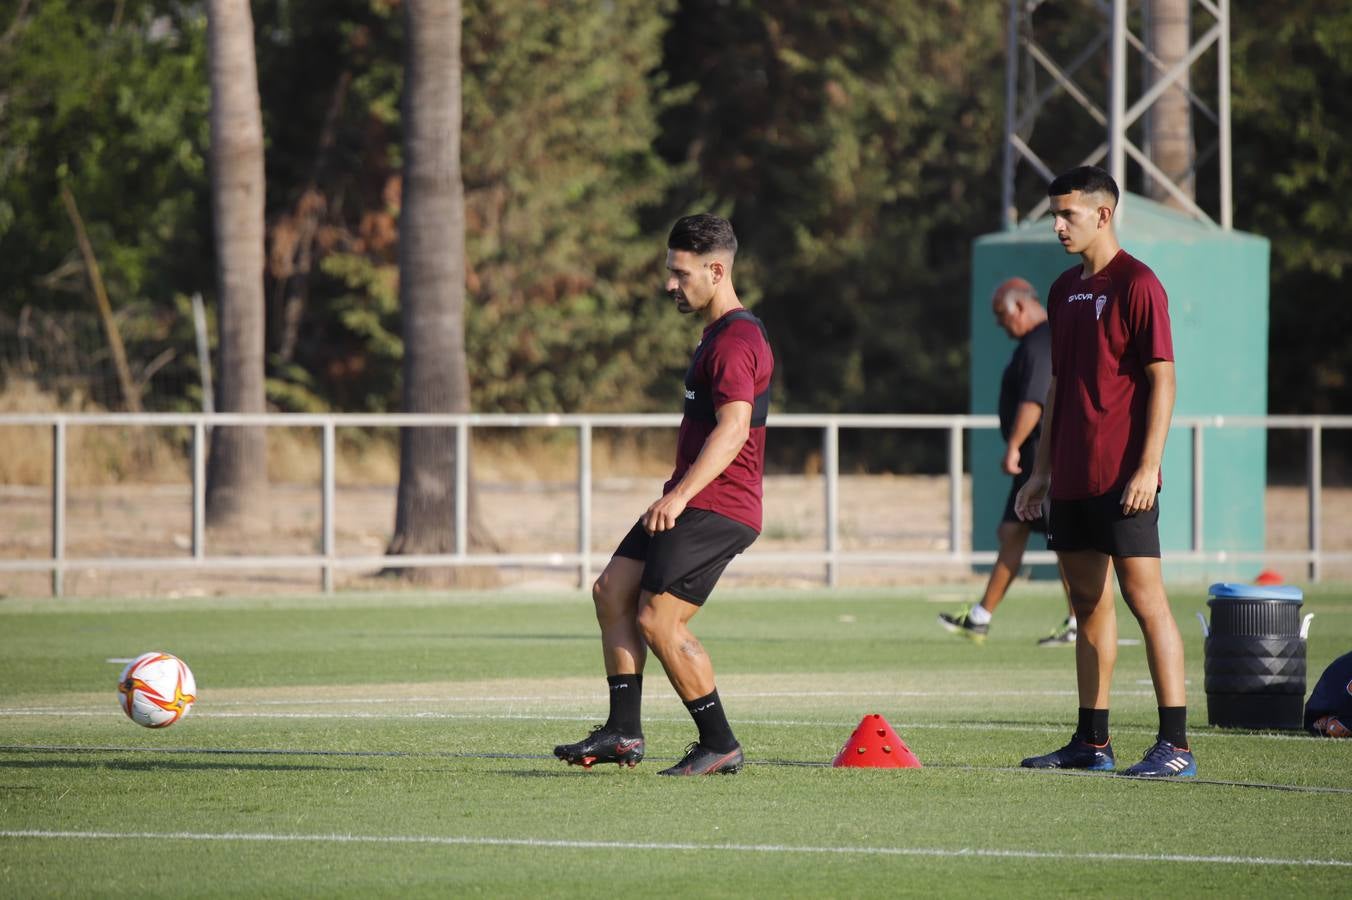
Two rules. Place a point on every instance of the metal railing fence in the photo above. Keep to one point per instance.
(584, 558)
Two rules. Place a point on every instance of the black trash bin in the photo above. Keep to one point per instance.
(1255, 657)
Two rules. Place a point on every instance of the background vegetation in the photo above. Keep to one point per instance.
(855, 146)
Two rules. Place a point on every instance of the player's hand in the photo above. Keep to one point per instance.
(1139, 494)
(1011, 460)
(1028, 504)
(662, 515)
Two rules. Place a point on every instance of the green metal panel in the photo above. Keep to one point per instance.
(1217, 283)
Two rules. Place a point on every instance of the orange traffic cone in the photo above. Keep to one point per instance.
(874, 745)
(1268, 576)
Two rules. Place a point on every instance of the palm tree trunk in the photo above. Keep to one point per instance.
(1168, 122)
(237, 467)
(431, 279)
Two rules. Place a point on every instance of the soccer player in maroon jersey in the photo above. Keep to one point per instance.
(1106, 418)
(709, 511)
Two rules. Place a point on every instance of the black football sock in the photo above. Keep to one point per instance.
(1174, 725)
(1093, 726)
(714, 730)
(626, 699)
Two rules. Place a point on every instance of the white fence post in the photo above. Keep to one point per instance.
(58, 505)
(955, 491)
(1316, 486)
(326, 503)
(831, 469)
(584, 503)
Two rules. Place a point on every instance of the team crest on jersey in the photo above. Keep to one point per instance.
(1099, 302)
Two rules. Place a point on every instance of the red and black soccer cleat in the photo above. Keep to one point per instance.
(700, 760)
(603, 746)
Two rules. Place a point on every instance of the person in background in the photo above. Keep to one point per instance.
(1023, 388)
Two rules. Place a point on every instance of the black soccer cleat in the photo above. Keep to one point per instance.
(603, 745)
(700, 760)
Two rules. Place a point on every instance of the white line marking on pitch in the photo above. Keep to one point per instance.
(473, 841)
(974, 725)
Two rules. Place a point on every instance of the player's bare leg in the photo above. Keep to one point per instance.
(620, 738)
(1013, 539)
(1086, 573)
(616, 597)
(1143, 588)
(662, 620)
(1087, 581)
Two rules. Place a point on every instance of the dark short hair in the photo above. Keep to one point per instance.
(1086, 179)
(702, 234)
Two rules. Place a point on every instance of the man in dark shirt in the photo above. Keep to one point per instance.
(1023, 388)
(1107, 416)
(1328, 712)
(709, 511)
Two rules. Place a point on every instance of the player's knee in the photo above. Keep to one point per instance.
(656, 630)
(1149, 608)
(607, 599)
(1084, 604)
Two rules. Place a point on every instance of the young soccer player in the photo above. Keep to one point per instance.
(1106, 418)
(709, 511)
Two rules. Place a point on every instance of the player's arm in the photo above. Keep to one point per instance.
(1026, 418)
(720, 449)
(1139, 494)
(1028, 504)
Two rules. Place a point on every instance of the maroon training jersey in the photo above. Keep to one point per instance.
(1105, 330)
(736, 367)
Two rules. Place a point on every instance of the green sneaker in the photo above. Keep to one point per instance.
(962, 624)
(1062, 635)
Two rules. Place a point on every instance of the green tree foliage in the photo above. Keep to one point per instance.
(565, 287)
(564, 306)
(854, 146)
(1292, 107)
(115, 109)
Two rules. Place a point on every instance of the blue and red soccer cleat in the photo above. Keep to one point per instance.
(1164, 760)
(1078, 754)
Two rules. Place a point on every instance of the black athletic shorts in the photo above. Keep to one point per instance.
(1097, 523)
(687, 560)
(1040, 523)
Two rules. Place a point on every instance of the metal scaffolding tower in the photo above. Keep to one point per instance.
(1028, 61)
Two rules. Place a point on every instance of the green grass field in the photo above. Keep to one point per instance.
(400, 745)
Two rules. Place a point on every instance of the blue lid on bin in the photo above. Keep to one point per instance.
(1231, 591)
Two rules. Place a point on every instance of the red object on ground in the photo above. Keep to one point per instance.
(874, 745)
(1267, 576)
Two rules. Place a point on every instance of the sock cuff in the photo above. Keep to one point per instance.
(699, 704)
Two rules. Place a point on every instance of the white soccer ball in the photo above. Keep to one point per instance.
(156, 690)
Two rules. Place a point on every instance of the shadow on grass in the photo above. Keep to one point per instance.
(127, 765)
(570, 772)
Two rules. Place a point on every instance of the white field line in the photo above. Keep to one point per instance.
(594, 695)
(590, 697)
(536, 843)
(970, 725)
